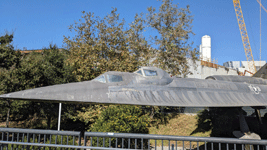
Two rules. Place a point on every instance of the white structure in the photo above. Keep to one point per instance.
(232, 64)
(201, 72)
(244, 65)
(205, 48)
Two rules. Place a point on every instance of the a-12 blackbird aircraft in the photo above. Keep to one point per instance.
(154, 86)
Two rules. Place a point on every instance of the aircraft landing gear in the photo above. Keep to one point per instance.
(245, 132)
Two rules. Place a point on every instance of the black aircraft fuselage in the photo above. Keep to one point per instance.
(153, 86)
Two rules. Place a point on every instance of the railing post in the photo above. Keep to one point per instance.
(28, 141)
(80, 139)
(84, 140)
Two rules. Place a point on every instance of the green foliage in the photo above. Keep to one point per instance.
(8, 56)
(107, 44)
(104, 45)
(46, 68)
(30, 71)
(173, 27)
(100, 45)
(87, 114)
(54, 139)
(121, 119)
(159, 115)
(9, 61)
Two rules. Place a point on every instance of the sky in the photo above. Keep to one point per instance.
(37, 23)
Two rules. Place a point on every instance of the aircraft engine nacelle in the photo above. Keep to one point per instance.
(235, 78)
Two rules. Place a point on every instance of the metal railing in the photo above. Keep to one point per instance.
(150, 141)
(14, 138)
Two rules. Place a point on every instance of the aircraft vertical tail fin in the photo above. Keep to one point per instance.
(262, 73)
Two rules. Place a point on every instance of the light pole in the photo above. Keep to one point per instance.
(59, 116)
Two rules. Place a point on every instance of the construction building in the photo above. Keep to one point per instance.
(207, 67)
(243, 66)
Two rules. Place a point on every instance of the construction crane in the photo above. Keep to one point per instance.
(244, 36)
(261, 6)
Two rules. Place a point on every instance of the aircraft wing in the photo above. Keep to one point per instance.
(180, 92)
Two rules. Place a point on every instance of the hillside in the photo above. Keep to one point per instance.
(181, 125)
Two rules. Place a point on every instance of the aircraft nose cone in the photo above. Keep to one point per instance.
(87, 91)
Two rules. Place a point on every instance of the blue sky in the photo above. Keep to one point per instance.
(37, 23)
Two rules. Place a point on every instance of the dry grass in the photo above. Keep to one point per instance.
(181, 125)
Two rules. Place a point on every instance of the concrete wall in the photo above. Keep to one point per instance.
(195, 70)
(201, 72)
(208, 71)
(243, 66)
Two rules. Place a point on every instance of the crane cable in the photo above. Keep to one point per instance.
(261, 5)
(260, 33)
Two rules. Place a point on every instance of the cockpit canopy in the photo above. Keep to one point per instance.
(146, 72)
(109, 78)
(144, 75)
(152, 75)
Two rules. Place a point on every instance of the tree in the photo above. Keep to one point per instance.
(121, 119)
(104, 44)
(173, 27)
(8, 56)
(44, 69)
(86, 114)
(138, 45)
(33, 70)
(171, 51)
(9, 61)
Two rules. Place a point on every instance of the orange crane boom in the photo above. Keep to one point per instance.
(244, 36)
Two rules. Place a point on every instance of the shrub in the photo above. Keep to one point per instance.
(121, 119)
